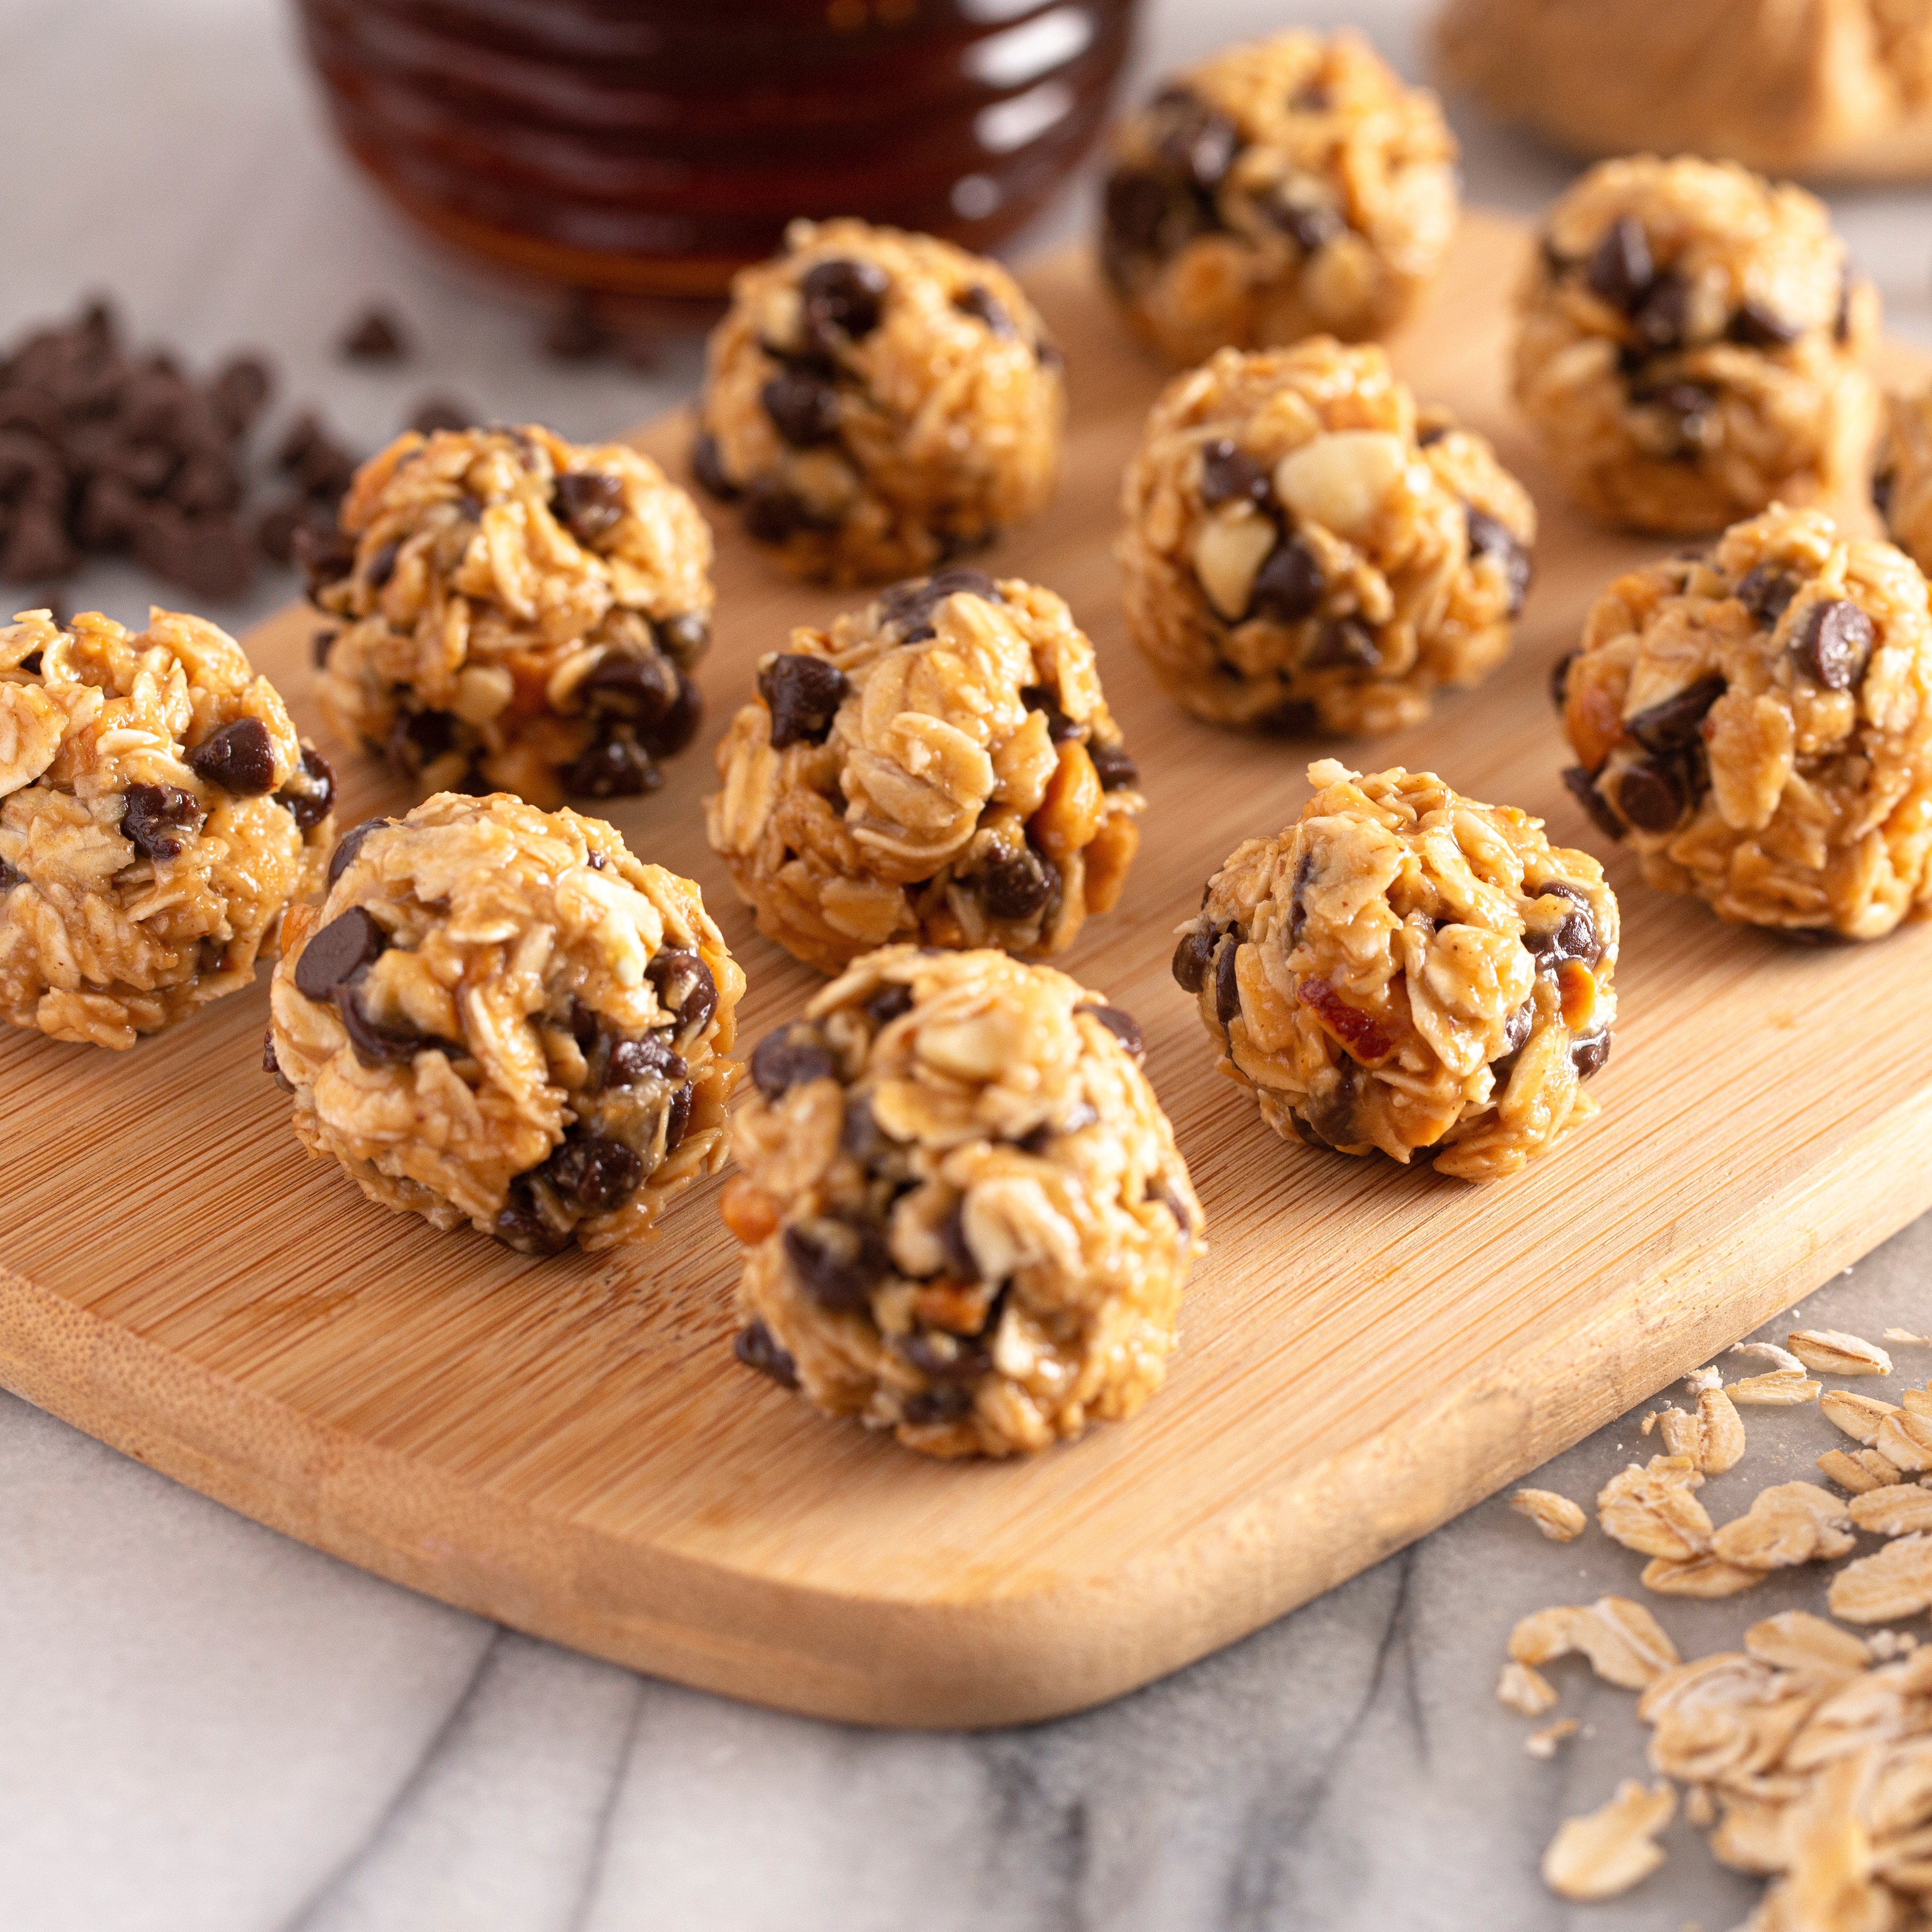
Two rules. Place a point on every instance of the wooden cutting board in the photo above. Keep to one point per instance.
(567, 1445)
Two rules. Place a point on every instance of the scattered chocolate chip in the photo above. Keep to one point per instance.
(157, 818)
(1123, 1026)
(960, 1262)
(804, 693)
(589, 502)
(791, 1056)
(436, 413)
(325, 555)
(576, 333)
(1227, 981)
(707, 468)
(272, 1066)
(1652, 795)
(350, 844)
(375, 336)
(888, 1004)
(842, 298)
(1619, 271)
(1199, 145)
(1833, 644)
(1229, 474)
(979, 302)
(1288, 587)
(1114, 768)
(594, 1172)
(1759, 326)
(803, 409)
(683, 638)
(1515, 1033)
(1674, 721)
(1191, 958)
(928, 1408)
(1572, 937)
(1311, 226)
(350, 940)
(1490, 537)
(614, 765)
(309, 792)
(240, 387)
(1582, 787)
(684, 986)
(639, 689)
(1765, 591)
(909, 606)
(653, 1056)
(240, 758)
(757, 1348)
(838, 1262)
(1343, 643)
(1589, 1053)
(666, 735)
(1017, 887)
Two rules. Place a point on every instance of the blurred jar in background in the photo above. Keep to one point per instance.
(653, 146)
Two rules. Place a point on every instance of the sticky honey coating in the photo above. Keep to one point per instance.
(940, 766)
(1693, 346)
(158, 814)
(965, 1218)
(500, 1015)
(877, 404)
(1290, 188)
(1757, 723)
(1407, 970)
(1305, 549)
(516, 613)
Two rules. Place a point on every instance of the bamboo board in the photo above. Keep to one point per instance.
(568, 1446)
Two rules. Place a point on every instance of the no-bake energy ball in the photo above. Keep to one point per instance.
(1693, 346)
(1287, 188)
(1406, 969)
(1304, 550)
(965, 1217)
(500, 1016)
(157, 816)
(1758, 723)
(517, 614)
(940, 766)
(877, 402)
(1902, 474)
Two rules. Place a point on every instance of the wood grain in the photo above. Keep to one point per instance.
(567, 1445)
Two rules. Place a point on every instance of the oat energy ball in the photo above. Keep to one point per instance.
(878, 403)
(1758, 724)
(500, 1016)
(518, 614)
(940, 766)
(1692, 345)
(1406, 969)
(1304, 550)
(1902, 474)
(1288, 188)
(157, 816)
(965, 1217)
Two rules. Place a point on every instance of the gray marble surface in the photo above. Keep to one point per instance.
(205, 1728)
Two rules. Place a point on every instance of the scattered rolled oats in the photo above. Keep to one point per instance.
(1525, 1690)
(1894, 1581)
(1787, 1524)
(1859, 1416)
(1782, 1388)
(1705, 1575)
(1652, 1511)
(1831, 1351)
(1905, 1436)
(1769, 1352)
(1607, 1851)
(1626, 1645)
(1557, 1517)
(1543, 1743)
(1713, 1437)
(1796, 1641)
(1860, 1471)
(1898, 1510)
(1906, 1336)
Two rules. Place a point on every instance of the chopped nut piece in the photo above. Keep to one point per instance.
(1831, 1351)
(1858, 1471)
(1625, 1644)
(1897, 1510)
(1704, 1576)
(1557, 1517)
(1652, 1511)
(1543, 1743)
(1782, 1388)
(1788, 1523)
(1859, 1416)
(1895, 1581)
(1609, 1850)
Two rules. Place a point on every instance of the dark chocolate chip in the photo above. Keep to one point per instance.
(1662, 317)
(708, 471)
(1583, 788)
(157, 819)
(1191, 958)
(1620, 270)
(375, 336)
(1137, 210)
(419, 738)
(350, 844)
(381, 566)
(1293, 717)
(349, 941)
(683, 638)
(1882, 486)
(272, 1066)
(1674, 721)
(757, 1348)
(838, 1262)
(1515, 1033)
(1833, 644)
(667, 735)
(842, 296)
(792, 1056)
(1123, 1026)
(9, 876)
(1761, 327)
(1490, 537)
(677, 1118)
(1559, 677)
(576, 333)
(888, 1004)
(1573, 936)
(589, 502)
(640, 689)
(310, 792)
(1765, 591)
(594, 1172)
(804, 693)
(684, 986)
(1114, 768)
(651, 1057)
(1312, 225)
(928, 1408)
(979, 302)
(1199, 145)
(1652, 795)
(240, 758)
(909, 606)
(1589, 1053)
(432, 414)
(1687, 405)
(1288, 586)
(325, 555)
(947, 1360)
(613, 766)
(1017, 887)
(319, 646)
(1059, 727)
(774, 514)
(1343, 643)
(1227, 982)
(1229, 475)
(959, 1262)
(520, 1226)
(860, 1135)
(803, 409)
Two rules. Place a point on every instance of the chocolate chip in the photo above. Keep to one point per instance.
(1620, 271)
(684, 986)
(1882, 486)
(1674, 721)
(1113, 767)
(520, 1226)
(774, 514)
(273, 1066)
(909, 606)
(351, 940)
(683, 638)
(1664, 314)
(37, 546)
(1589, 1053)
(666, 735)
(677, 1118)
(757, 1348)
(803, 409)
(1760, 327)
(1288, 586)
(1515, 1034)
(381, 566)
(1311, 226)
(433, 414)
(1841, 324)
(594, 1172)
(1652, 795)
(1343, 643)
(1489, 537)
(614, 765)
(1293, 717)
(240, 758)
(1559, 677)
(419, 738)
(1583, 788)
(589, 502)
(860, 1135)
(1687, 405)
(946, 1359)
(804, 693)
(576, 332)
(1833, 644)
(240, 386)
(653, 1056)
(837, 1261)
(1227, 982)
(1017, 887)
(1192, 958)
(928, 1408)
(842, 298)
(10, 877)
(707, 468)
(979, 302)
(1199, 145)
(1572, 937)
(1123, 1026)
(1229, 474)
(310, 792)
(375, 336)
(640, 689)
(326, 556)
(888, 1004)
(1765, 591)
(350, 844)
(1137, 210)
(157, 818)
(793, 1056)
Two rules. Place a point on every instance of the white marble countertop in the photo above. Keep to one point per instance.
(205, 1728)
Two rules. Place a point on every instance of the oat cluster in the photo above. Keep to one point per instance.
(1407, 970)
(1757, 722)
(1693, 346)
(877, 404)
(965, 1217)
(499, 1015)
(1304, 550)
(940, 765)
(158, 814)
(1291, 187)
(516, 613)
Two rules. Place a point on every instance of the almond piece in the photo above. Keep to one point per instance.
(1342, 479)
(1229, 548)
